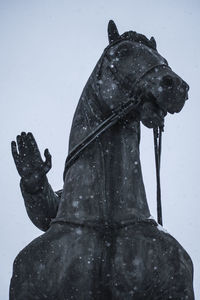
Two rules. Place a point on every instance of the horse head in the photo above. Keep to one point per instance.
(132, 68)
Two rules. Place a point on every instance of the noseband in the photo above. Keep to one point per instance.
(117, 114)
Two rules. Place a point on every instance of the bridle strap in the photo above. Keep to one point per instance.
(157, 132)
(131, 85)
(117, 114)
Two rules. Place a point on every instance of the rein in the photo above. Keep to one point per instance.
(157, 133)
(118, 114)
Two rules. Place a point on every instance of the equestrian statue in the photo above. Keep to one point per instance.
(100, 241)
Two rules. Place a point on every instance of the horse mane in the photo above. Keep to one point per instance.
(139, 38)
(135, 37)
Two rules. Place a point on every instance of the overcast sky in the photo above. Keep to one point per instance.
(48, 50)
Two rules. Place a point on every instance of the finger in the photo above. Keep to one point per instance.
(23, 136)
(20, 144)
(32, 143)
(48, 161)
(24, 143)
(14, 152)
(28, 149)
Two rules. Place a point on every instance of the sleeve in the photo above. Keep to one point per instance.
(41, 206)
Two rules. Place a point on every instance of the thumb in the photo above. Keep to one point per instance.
(48, 161)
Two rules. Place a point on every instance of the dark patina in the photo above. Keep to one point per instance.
(100, 241)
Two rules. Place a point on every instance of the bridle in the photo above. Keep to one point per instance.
(117, 114)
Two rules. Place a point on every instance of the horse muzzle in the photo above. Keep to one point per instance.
(170, 93)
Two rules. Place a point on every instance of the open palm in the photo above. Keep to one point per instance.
(28, 161)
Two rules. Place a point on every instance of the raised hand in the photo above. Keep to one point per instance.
(29, 163)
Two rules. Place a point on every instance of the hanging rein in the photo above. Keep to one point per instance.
(119, 113)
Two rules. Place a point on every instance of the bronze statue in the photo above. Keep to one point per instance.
(100, 241)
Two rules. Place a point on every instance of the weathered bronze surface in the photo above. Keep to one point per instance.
(100, 241)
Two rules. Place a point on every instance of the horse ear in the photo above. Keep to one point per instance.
(153, 41)
(113, 33)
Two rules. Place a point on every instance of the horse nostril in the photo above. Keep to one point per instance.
(167, 81)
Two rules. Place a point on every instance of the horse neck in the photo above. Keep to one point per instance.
(124, 189)
(105, 183)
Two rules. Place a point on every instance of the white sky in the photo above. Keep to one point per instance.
(48, 50)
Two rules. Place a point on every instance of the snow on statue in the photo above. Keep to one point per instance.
(100, 241)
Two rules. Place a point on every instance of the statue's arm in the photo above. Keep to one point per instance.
(40, 200)
(41, 206)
